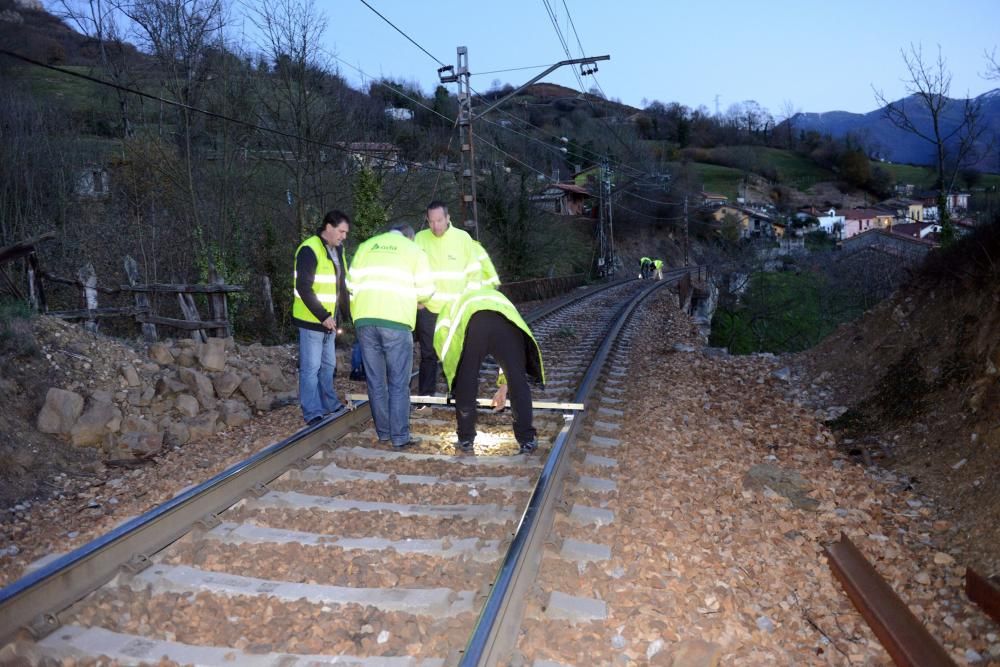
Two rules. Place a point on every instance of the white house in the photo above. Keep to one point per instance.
(830, 222)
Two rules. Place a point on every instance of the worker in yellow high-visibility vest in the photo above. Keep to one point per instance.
(389, 276)
(319, 303)
(658, 268)
(458, 263)
(484, 322)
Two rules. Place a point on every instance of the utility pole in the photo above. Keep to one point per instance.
(686, 263)
(467, 165)
(605, 227)
(467, 171)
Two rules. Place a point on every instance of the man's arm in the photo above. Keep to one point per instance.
(305, 275)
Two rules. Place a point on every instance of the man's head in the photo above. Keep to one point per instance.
(333, 230)
(437, 217)
(403, 228)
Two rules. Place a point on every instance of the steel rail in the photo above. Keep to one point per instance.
(905, 639)
(983, 592)
(32, 602)
(495, 634)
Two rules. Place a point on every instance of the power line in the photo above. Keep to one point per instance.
(511, 69)
(213, 114)
(412, 41)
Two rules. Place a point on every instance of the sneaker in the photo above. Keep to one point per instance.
(315, 420)
(412, 442)
(465, 445)
(337, 410)
(528, 447)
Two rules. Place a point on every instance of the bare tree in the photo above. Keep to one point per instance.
(100, 20)
(954, 142)
(182, 35)
(296, 96)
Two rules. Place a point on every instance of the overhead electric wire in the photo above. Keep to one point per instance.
(555, 24)
(412, 41)
(212, 114)
(565, 48)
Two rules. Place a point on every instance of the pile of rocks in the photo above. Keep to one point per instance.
(182, 391)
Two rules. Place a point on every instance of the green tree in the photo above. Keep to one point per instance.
(370, 213)
(855, 168)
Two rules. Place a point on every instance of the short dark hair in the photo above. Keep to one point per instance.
(333, 218)
(403, 228)
(437, 203)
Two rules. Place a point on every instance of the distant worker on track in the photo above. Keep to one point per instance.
(484, 322)
(643, 267)
(658, 269)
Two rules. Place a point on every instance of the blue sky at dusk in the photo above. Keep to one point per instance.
(809, 56)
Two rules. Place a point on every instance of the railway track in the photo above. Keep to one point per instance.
(329, 549)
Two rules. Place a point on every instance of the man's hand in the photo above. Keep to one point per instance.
(329, 323)
(500, 398)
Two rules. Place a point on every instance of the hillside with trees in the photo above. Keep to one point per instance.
(195, 150)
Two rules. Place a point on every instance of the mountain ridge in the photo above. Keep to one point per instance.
(881, 139)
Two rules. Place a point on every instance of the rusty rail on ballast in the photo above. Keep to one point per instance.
(904, 637)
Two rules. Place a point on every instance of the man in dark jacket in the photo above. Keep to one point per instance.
(319, 305)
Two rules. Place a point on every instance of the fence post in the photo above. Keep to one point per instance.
(88, 280)
(36, 292)
(217, 306)
(190, 311)
(269, 319)
(141, 300)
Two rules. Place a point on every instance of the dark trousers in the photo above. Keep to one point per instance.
(428, 374)
(491, 333)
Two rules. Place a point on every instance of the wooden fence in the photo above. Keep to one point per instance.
(91, 313)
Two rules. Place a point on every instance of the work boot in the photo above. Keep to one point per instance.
(528, 447)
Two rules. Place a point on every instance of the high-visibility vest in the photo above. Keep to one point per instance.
(388, 277)
(658, 264)
(457, 265)
(449, 331)
(324, 283)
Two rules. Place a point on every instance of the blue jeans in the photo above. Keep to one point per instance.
(317, 362)
(388, 357)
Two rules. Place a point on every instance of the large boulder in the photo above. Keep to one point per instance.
(60, 412)
(133, 423)
(271, 376)
(187, 405)
(130, 375)
(226, 383)
(251, 389)
(186, 358)
(204, 425)
(175, 433)
(200, 385)
(212, 354)
(160, 353)
(235, 413)
(169, 384)
(140, 444)
(99, 420)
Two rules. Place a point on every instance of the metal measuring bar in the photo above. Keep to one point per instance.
(481, 402)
